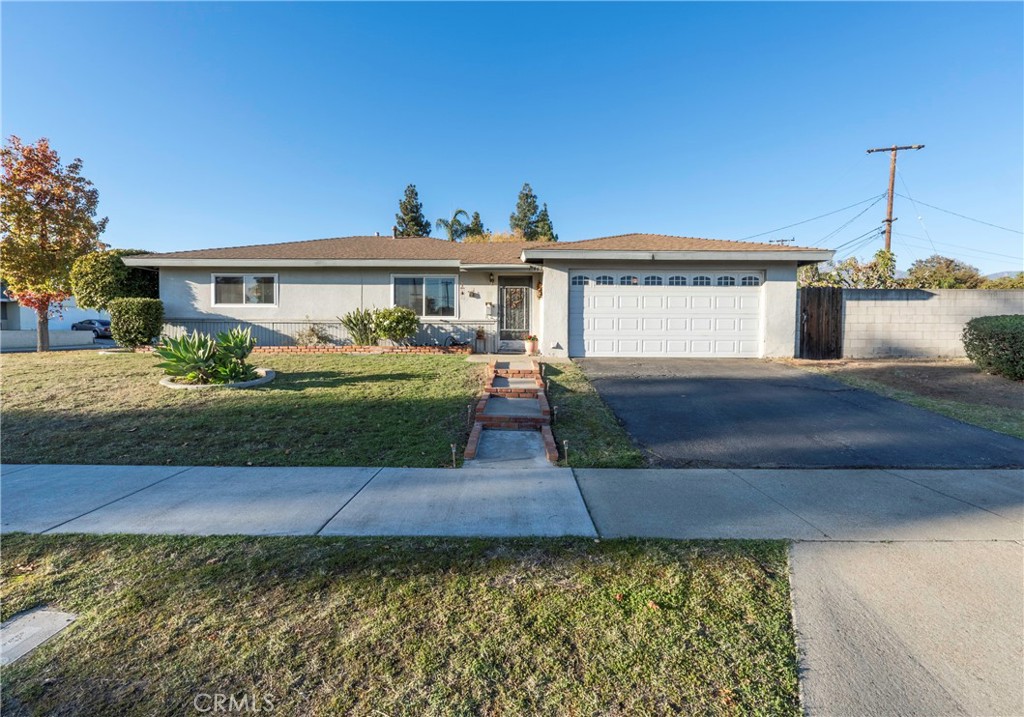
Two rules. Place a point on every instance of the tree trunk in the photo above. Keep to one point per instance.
(43, 329)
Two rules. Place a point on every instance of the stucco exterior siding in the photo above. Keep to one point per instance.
(314, 294)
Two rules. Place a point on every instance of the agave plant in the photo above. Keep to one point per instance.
(193, 358)
(237, 343)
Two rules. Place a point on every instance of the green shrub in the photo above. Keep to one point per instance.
(360, 326)
(135, 322)
(200, 359)
(397, 324)
(996, 344)
(101, 276)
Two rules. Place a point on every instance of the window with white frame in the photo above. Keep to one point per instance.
(750, 280)
(653, 281)
(702, 280)
(244, 289)
(426, 295)
(677, 280)
(727, 281)
(628, 280)
(604, 281)
(580, 280)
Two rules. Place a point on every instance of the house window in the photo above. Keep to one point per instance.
(702, 281)
(727, 281)
(750, 281)
(652, 281)
(628, 280)
(244, 289)
(426, 295)
(677, 281)
(3, 311)
(580, 280)
(604, 281)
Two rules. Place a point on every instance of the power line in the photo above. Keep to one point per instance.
(805, 221)
(963, 216)
(960, 252)
(920, 220)
(851, 221)
(870, 234)
(957, 246)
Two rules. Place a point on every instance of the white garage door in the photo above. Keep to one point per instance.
(688, 313)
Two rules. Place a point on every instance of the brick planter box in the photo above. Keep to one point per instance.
(417, 350)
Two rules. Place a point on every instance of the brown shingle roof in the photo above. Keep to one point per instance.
(663, 242)
(413, 248)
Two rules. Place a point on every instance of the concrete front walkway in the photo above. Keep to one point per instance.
(908, 586)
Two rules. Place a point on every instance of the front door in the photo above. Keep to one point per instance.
(514, 307)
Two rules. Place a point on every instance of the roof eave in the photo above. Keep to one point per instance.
(800, 257)
(158, 261)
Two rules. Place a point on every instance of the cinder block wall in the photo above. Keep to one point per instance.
(917, 322)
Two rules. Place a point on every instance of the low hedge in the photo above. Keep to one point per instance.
(135, 322)
(996, 344)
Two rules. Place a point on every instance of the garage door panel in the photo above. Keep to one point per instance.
(662, 320)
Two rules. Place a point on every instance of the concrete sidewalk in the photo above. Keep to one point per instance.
(908, 586)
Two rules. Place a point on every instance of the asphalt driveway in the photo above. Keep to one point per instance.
(748, 413)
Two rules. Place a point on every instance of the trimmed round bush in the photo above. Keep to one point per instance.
(397, 324)
(135, 322)
(996, 344)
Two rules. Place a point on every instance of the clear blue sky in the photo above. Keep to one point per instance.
(222, 124)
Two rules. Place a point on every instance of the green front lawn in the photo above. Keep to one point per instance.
(403, 626)
(596, 438)
(323, 409)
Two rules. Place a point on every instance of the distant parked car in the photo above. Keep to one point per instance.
(100, 327)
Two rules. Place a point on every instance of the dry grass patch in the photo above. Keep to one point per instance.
(404, 626)
(322, 409)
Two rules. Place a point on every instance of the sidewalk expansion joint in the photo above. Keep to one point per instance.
(119, 498)
(774, 500)
(353, 497)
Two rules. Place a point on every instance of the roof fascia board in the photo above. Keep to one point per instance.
(787, 256)
(285, 263)
(511, 268)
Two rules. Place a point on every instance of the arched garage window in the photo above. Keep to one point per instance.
(604, 281)
(580, 280)
(628, 280)
(702, 281)
(652, 281)
(750, 281)
(727, 281)
(677, 281)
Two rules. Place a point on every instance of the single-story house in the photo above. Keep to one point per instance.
(628, 295)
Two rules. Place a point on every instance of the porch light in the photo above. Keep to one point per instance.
(490, 277)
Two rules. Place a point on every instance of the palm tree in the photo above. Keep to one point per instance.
(455, 227)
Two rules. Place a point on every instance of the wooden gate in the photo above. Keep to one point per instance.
(821, 322)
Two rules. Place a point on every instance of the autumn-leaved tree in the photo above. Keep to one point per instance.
(47, 221)
(410, 221)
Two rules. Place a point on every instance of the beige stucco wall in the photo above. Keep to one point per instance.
(324, 294)
(778, 306)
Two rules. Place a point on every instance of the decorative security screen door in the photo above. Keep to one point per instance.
(514, 304)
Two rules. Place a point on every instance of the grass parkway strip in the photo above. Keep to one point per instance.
(403, 626)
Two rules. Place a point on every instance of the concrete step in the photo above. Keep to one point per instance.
(514, 413)
(513, 387)
(504, 450)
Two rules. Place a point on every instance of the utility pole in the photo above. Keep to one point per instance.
(892, 186)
